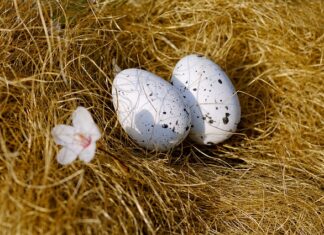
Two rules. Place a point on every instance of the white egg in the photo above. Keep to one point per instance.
(212, 99)
(150, 109)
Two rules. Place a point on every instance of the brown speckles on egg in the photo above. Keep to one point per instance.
(225, 119)
(165, 126)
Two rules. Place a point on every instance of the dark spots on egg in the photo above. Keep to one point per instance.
(204, 89)
(150, 94)
(164, 112)
(147, 84)
(186, 111)
(192, 126)
(197, 116)
(173, 129)
(187, 128)
(211, 121)
(209, 90)
(225, 119)
(204, 71)
(226, 107)
(220, 81)
(203, 118)
(186, 82)
(221, 100)
(177, 122)
(165, 126)
(216, 108)
(171, 83)
(194, 89)
(152, 125)
(184, 96)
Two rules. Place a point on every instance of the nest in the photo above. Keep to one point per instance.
(266, 179)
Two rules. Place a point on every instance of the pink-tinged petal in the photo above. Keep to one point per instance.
(88, 153)
(75, 147)
(82, 120)
(66, 156)
(63, 134)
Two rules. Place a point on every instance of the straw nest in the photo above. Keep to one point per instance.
(267, 179)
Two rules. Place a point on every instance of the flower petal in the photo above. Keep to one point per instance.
(82, 119)
(63, 134)
(83, 122)
(88, 153)
(95, 132)
(66, 156)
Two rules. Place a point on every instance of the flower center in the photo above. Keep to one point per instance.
(83, 140)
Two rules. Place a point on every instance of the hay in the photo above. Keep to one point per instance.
(266, 179)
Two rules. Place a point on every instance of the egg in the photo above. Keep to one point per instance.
(212, 99)
(150, 109)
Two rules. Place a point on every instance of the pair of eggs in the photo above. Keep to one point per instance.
(201, 102)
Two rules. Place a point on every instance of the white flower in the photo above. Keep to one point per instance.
(78, 139)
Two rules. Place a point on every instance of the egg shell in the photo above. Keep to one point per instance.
(212, 99)
(150, 109)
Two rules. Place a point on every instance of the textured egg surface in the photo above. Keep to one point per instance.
(150, 109)
(211, 97)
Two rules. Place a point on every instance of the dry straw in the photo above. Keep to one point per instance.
(267, 179)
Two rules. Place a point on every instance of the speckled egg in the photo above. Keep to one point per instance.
(212, 99)
(150, 109)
